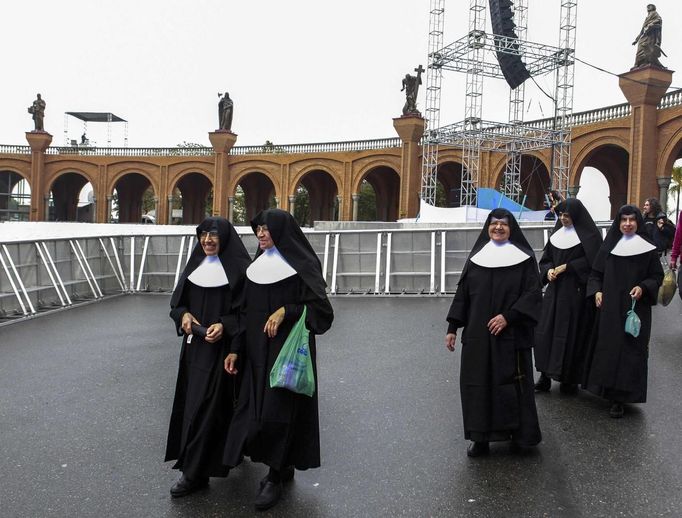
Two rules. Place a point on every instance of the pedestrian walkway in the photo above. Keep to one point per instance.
(85, 396)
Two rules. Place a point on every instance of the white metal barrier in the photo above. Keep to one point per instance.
(36, 276)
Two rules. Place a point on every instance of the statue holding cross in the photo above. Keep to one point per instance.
(411, 88)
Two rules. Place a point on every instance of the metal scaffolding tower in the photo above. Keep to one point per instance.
(472, 55)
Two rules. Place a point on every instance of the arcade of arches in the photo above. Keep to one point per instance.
(635, 154)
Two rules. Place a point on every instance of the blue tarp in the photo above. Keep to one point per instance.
(492, 199)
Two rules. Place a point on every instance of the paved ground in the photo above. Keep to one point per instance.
(85, 397)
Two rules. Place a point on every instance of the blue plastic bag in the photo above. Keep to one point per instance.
(293, 368)
(632, 321)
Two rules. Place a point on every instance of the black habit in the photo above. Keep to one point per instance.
(204, 392)
(273, 425)
(496, 374)
(567, 316)
(617, 361)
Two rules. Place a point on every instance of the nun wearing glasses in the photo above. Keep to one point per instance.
(498, 302)
(205, 311)
(275, 426)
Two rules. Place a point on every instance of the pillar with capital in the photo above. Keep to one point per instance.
(573, 190)
(356, 205)
(292, 204)
(663, 185)
(644, 87)
(410, 129)
(230, 209)
(222, 142)
(39, 142)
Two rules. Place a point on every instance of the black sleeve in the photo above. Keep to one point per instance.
(319, 315)
(458, 315)
(177, 312)
(528, 306)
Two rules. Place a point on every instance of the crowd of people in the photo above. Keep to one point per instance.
(590, 329)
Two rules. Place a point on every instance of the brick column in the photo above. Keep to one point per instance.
(410, 129)
(39, 141)
(222, 141)
(643, 88)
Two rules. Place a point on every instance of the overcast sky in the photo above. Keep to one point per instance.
(297, 70)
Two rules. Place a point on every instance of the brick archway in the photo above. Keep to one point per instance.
(65, 193)
(130, 190)
(14, 206)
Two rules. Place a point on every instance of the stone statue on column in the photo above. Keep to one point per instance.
(648, 40)
(37, 110)
(225, 111)
(411, 88)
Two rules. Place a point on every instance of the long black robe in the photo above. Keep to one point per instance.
(567, 315)
(617, 361)
(496, 375)
(204, 392)
(273, 425)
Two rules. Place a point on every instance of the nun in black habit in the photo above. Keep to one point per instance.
(567, 315)
(498, 301)
(627, 267)
(273, 425)
(205, 310)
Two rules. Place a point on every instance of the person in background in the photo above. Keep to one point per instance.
(650, 210)
(498, 302)
(663, 234)
(626, 269)
(205, 310)
(553, 199)
(676, 249)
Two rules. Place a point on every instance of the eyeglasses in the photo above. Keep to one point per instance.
(205, 235)
(261, 228)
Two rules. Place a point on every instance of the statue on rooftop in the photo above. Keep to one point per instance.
(648, 40)
(37, 110)
(225, 110)
(411, 88)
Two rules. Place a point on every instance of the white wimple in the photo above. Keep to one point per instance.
(494, 255)
(270, 267)
(209, 274)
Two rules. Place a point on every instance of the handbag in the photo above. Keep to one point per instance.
(669, 285)
(293, 368)
(632, 321)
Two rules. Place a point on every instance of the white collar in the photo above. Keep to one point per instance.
(269, 267)
(494, 255)
(209, 274)
(632, 245)
(565, 237)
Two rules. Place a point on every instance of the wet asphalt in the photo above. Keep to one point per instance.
(85, 396)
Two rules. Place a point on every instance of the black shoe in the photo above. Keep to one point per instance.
(617, 410)
(568, 388)
(478, 449)
(185, 486)
(543, 384)
(269, 495)
(285, 475)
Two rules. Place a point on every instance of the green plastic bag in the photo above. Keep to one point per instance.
(632, 321)
(293, 368)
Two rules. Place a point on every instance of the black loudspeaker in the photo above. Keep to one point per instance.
(502, 19)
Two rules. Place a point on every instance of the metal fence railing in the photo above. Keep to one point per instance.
(37, 276)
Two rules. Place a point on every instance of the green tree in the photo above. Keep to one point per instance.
(302, 206)
(674, 191)
(367, 203)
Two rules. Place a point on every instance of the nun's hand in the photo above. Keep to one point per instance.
(551, 275)
(497, 324)
(187, 321)
(230, 363)
(598, 299)
(636, 293)
(214, 333)
(273, 322)
(450, 341)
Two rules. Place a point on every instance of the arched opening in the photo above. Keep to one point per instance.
(594, 193)
(315, 199)
(132, 198)
(192, 200)
(15, 197)
(612, 162)
(254, 193)
(534, 182)
(380, 189)
(448, 189)
(71, 199)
